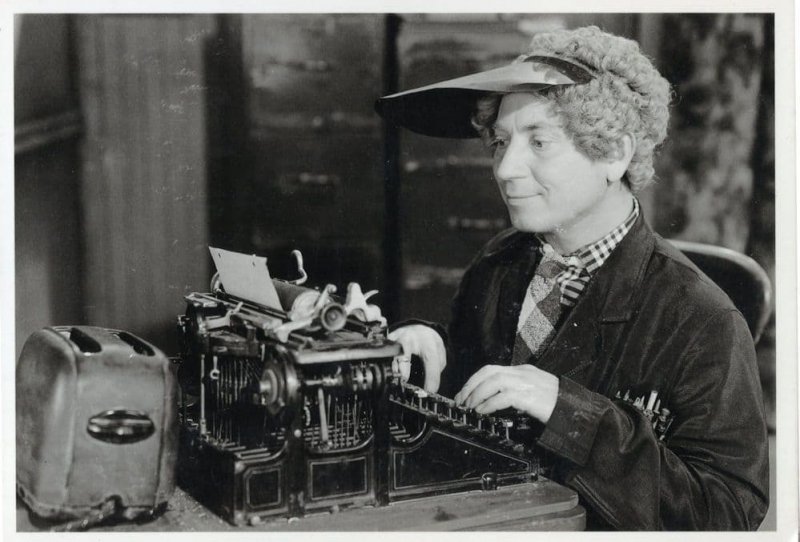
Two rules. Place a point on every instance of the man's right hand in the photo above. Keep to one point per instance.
(423, 341)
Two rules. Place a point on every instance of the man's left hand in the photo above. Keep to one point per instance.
(523, 387)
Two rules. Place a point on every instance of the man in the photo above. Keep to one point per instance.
(640, 371)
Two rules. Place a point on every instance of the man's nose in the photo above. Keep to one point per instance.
(511, 163)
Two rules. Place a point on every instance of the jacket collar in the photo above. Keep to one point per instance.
(615, 285)
(508, 243)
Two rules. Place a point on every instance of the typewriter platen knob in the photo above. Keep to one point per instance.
(269, 386)
(276, 388)
(332, 316)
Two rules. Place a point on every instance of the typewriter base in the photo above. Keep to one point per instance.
(535, 506)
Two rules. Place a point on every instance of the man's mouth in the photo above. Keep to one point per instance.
(521, 197)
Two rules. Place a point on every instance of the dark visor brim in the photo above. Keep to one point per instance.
(445, 109)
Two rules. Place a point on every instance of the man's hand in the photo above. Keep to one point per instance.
(422, 341)
(524, 387)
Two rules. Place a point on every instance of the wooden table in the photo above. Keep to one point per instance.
(538, 506)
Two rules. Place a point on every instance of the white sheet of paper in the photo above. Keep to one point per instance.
(245, 276)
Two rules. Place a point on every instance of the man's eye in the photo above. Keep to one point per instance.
(539, 143)
(497, 142)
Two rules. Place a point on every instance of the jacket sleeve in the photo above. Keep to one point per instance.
(461, 337)
(710, 472)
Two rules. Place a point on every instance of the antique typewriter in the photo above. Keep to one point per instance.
(291, 402)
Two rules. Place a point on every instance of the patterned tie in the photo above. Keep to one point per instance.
(541, 308)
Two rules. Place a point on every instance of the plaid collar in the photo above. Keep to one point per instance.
(593, 255)
(582, 263)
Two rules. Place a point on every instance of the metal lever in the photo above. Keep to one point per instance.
(213, 374)
(323, 418)
(298, 257)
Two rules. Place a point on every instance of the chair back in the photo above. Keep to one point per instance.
(739, 276)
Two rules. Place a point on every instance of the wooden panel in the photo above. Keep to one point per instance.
(144, 193)
(449, 200)
(315, 144)
(313, 65)
(44, 131)
(317, 189)
(48, 286)
(43, 83)
(48, 240)
(451, 210)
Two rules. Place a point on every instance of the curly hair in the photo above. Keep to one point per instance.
(627, 95)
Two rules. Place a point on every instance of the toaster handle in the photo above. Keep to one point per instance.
(120, 426)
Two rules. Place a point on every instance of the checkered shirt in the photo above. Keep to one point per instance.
(583, 263)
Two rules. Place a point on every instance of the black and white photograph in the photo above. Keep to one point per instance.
(318, 269)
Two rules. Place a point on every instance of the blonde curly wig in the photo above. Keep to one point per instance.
(627, 95)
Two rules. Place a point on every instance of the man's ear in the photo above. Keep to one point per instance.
(620, 159)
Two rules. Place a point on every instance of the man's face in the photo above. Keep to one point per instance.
(547, 185)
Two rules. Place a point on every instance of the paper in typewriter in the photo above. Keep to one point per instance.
(245, 276)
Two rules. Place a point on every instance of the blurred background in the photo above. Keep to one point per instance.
(140, 140)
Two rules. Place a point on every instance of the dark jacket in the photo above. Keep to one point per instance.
(649, 320)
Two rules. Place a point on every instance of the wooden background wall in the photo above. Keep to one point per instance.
(47, 125)
(142, 83)
(113, 232)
